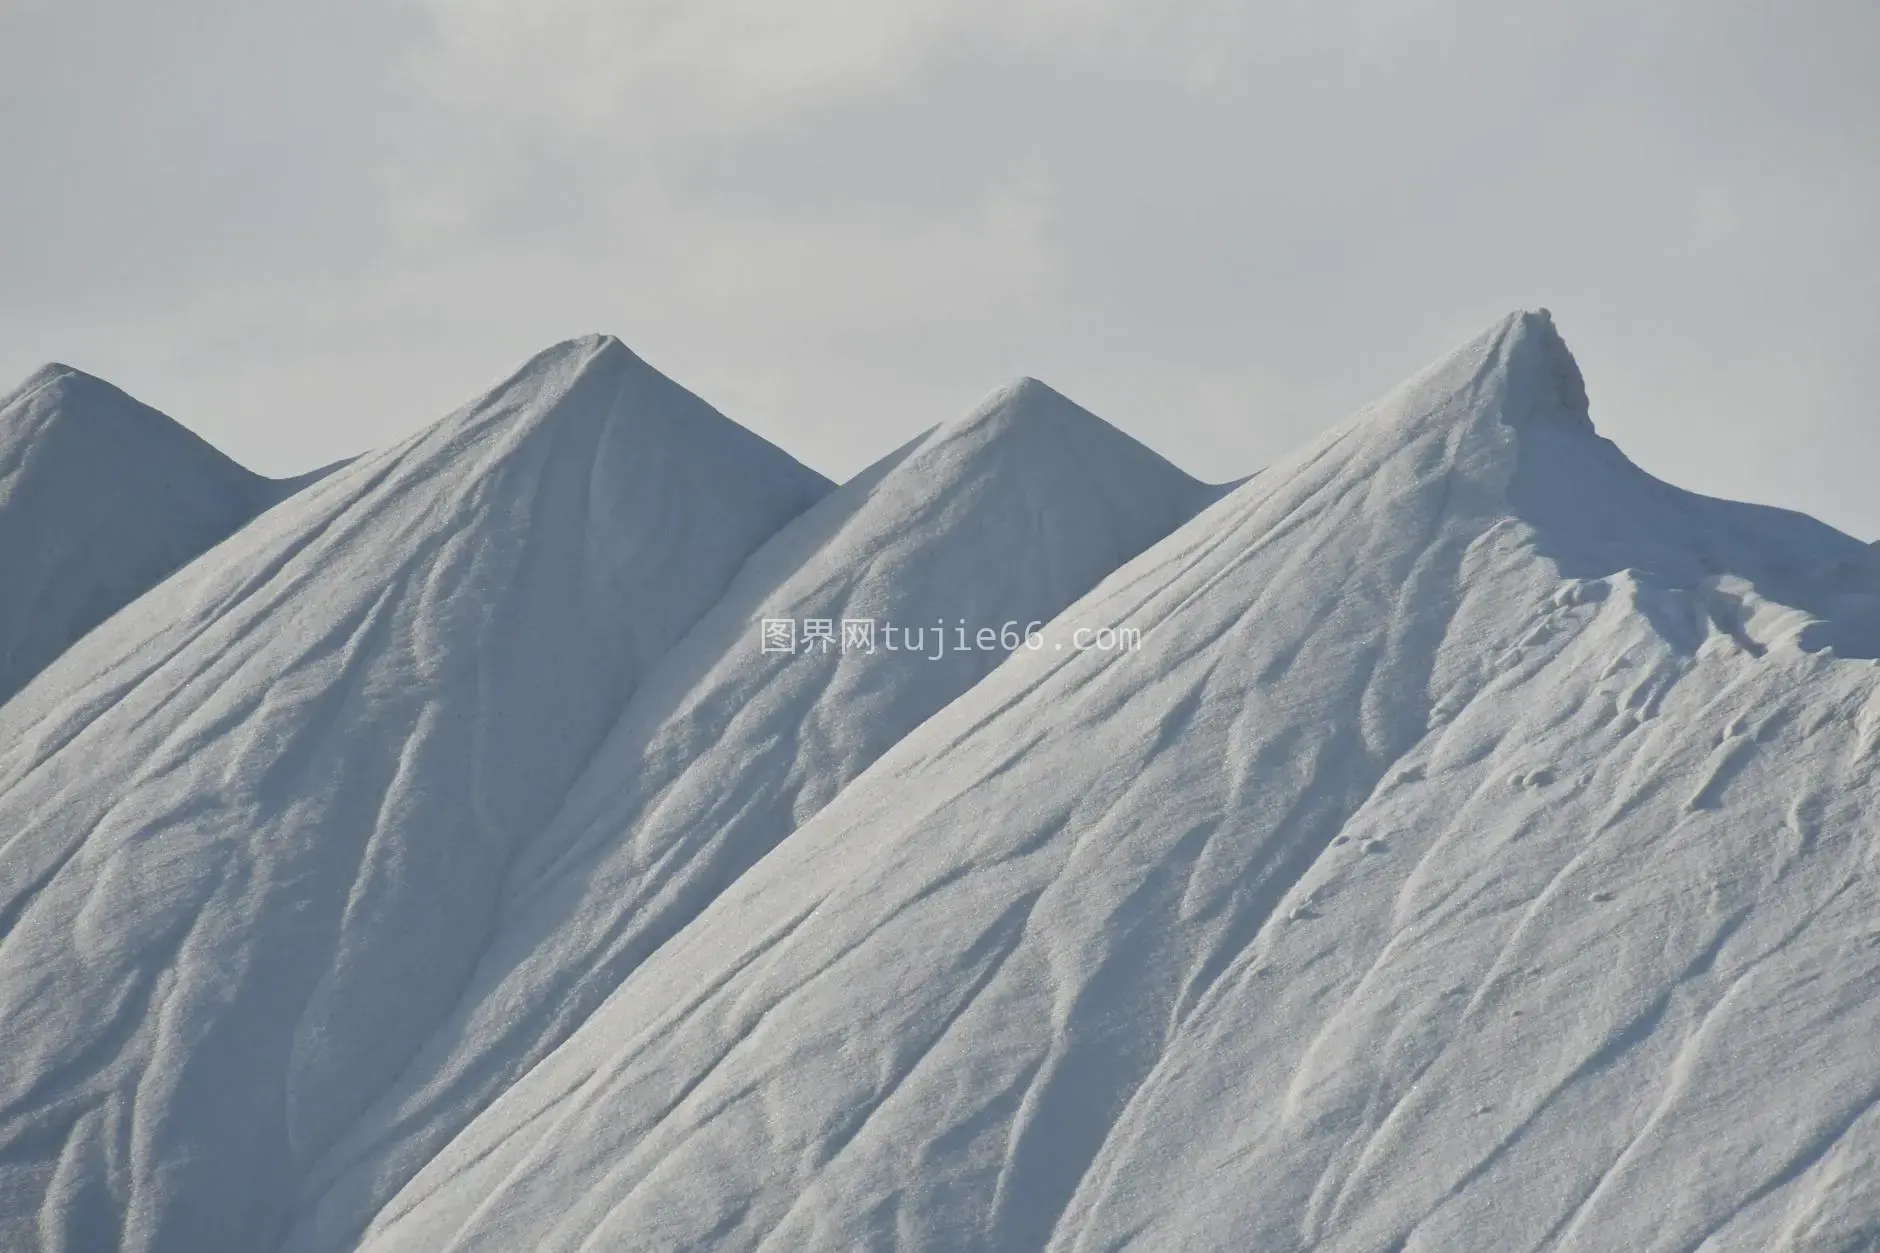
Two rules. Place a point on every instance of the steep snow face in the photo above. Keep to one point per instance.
(1477, 854)
(256, 832)
(993, 523)
(100, 498)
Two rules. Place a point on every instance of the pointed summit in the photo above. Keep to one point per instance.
(101, 497)
(1030, 431)
(595, 384)
(1517, 373)
(1022, 398)
(57, 394)
(1026, 403)
(1538, 361)
(573, 357)
(47, 373)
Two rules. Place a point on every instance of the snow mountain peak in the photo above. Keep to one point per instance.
(1027, 426)
(1519, 371)
(55, 374)
(1535, 354)
(596, 349)
(47, 373)
(101, 497)
(60, 394)
(583, 367)
(1027, 401)
(1019, 392)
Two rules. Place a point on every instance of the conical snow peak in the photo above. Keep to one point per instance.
(1516, 374)
(67, 385)
(591, 350)
(101, 497)
(1023, 401)
(1538, 365)
(560, 366)
(50, 372)
(1029, 410)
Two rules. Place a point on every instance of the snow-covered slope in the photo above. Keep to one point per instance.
(253, 835)
(996, 522)
(1477, 854)
(100, 498)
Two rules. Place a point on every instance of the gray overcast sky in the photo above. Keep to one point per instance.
(306, 229)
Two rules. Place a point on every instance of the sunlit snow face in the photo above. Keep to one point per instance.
(1223, 226)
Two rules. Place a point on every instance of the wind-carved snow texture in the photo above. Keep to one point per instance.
(256, 831)
(100, 499)
(995, 522)
(1476, 854)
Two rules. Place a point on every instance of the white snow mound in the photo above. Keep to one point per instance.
(1476, 854)
(100, 498)
(254, 835)
(994, 523)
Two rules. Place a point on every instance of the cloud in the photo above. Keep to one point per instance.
(1222, 224)
(576, 67)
